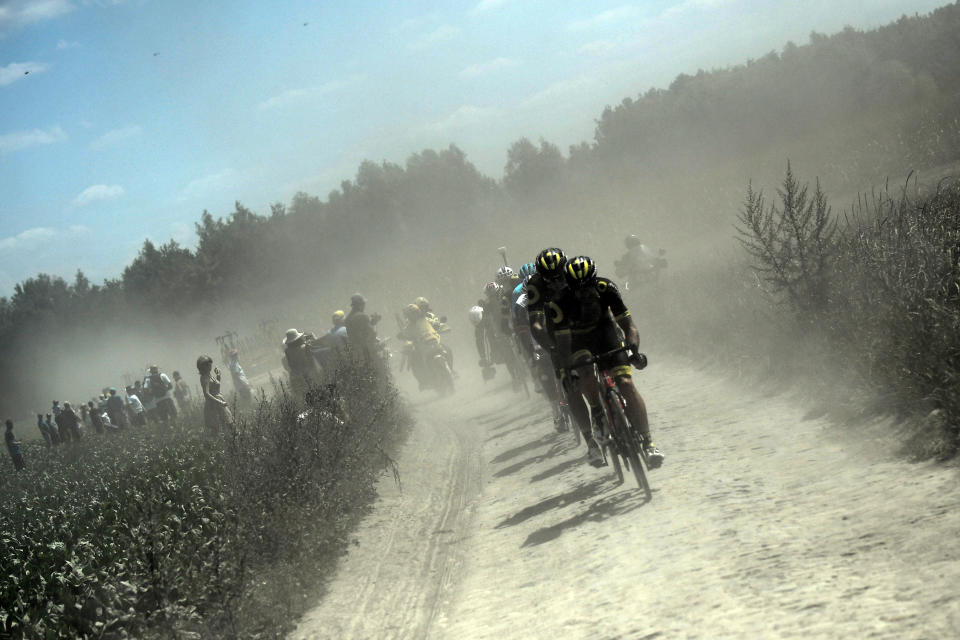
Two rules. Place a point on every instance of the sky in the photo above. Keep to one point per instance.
(122, 120)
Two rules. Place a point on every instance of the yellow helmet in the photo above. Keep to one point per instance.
(339, 316)
(422, 303)
(411, 311)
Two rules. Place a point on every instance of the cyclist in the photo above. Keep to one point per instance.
(589, 318)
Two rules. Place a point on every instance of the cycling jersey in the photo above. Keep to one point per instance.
(585, 315)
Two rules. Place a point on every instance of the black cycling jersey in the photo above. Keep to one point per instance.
(583, 310)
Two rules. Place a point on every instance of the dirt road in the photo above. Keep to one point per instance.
(763, 524)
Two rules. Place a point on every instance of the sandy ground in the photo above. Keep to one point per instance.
(763, 524)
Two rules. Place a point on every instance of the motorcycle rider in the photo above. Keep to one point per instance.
(588, 314)
(438, 323)
(424, 341)
(639, 263)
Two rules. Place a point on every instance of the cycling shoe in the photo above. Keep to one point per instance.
(595, 456)
(653, 455)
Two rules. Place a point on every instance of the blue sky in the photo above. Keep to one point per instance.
(135, 115)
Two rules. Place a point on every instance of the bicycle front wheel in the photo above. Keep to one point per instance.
(628, 445)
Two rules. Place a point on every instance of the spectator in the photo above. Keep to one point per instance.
(56, 408)
(13, 446)
(52, 430)
(240, 383)
(85, 416)
(216, 413)
(43, 431)
(159, 386)
(135, 408)
(69, 422)
(360, 331)
(96, 422)
(149, 404)
(181, 390)
(299, 359)
(115, 409)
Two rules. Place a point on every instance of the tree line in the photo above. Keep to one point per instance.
(858, 105)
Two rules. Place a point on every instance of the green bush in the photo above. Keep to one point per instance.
(177, 533)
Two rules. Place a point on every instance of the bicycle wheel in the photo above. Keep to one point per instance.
(628, 445)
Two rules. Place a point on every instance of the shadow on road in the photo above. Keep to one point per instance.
(557, 448)
(598, 511)
(557, 469)
(516, 451)
(556, 502)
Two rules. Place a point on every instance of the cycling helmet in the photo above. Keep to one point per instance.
(632, 241)
(476, 315)
(338, 317)
(411, 311)
(504, 275)
(422, 302)
(492, 289)
(527, 270)
(580, 271)
(550, 263)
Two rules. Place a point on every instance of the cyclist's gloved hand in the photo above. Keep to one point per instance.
(638, 359)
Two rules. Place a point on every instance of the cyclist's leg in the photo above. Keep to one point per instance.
(636, 409)
(589, 391)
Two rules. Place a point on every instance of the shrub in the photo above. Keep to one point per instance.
(179, 534)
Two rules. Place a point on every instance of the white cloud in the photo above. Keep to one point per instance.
(296, 96)
(25, 139)
(560, 91)
(18, 70)
(483, 68)
(219, 181)
(416, 22)
(488, 5)
(116, 136)
(604, 18)
(597, 48)
(692, 5)
(98, 193)
(443, 33)
(64, 44)
(22, 12)
(463, 117)
(28, 238)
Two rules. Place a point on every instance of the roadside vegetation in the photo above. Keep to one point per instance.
(861, 307)
(179, 534)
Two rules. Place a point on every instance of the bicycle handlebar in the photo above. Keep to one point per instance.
(594, 358)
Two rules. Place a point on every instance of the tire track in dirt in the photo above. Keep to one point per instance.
(406, 556)
(766, 522)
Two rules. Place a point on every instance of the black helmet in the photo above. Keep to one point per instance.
(357, 300)
(550, 263)
(580, 271)
(632, 241)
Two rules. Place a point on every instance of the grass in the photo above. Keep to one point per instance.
(175, 533)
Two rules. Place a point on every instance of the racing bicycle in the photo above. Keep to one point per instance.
(617, 438)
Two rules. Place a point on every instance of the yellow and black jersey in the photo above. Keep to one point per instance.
(585, 309)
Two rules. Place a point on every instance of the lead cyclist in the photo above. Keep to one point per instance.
(586, 317)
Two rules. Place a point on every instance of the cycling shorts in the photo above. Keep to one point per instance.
(601, 340)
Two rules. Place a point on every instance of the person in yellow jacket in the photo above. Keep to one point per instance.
(424, 342)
